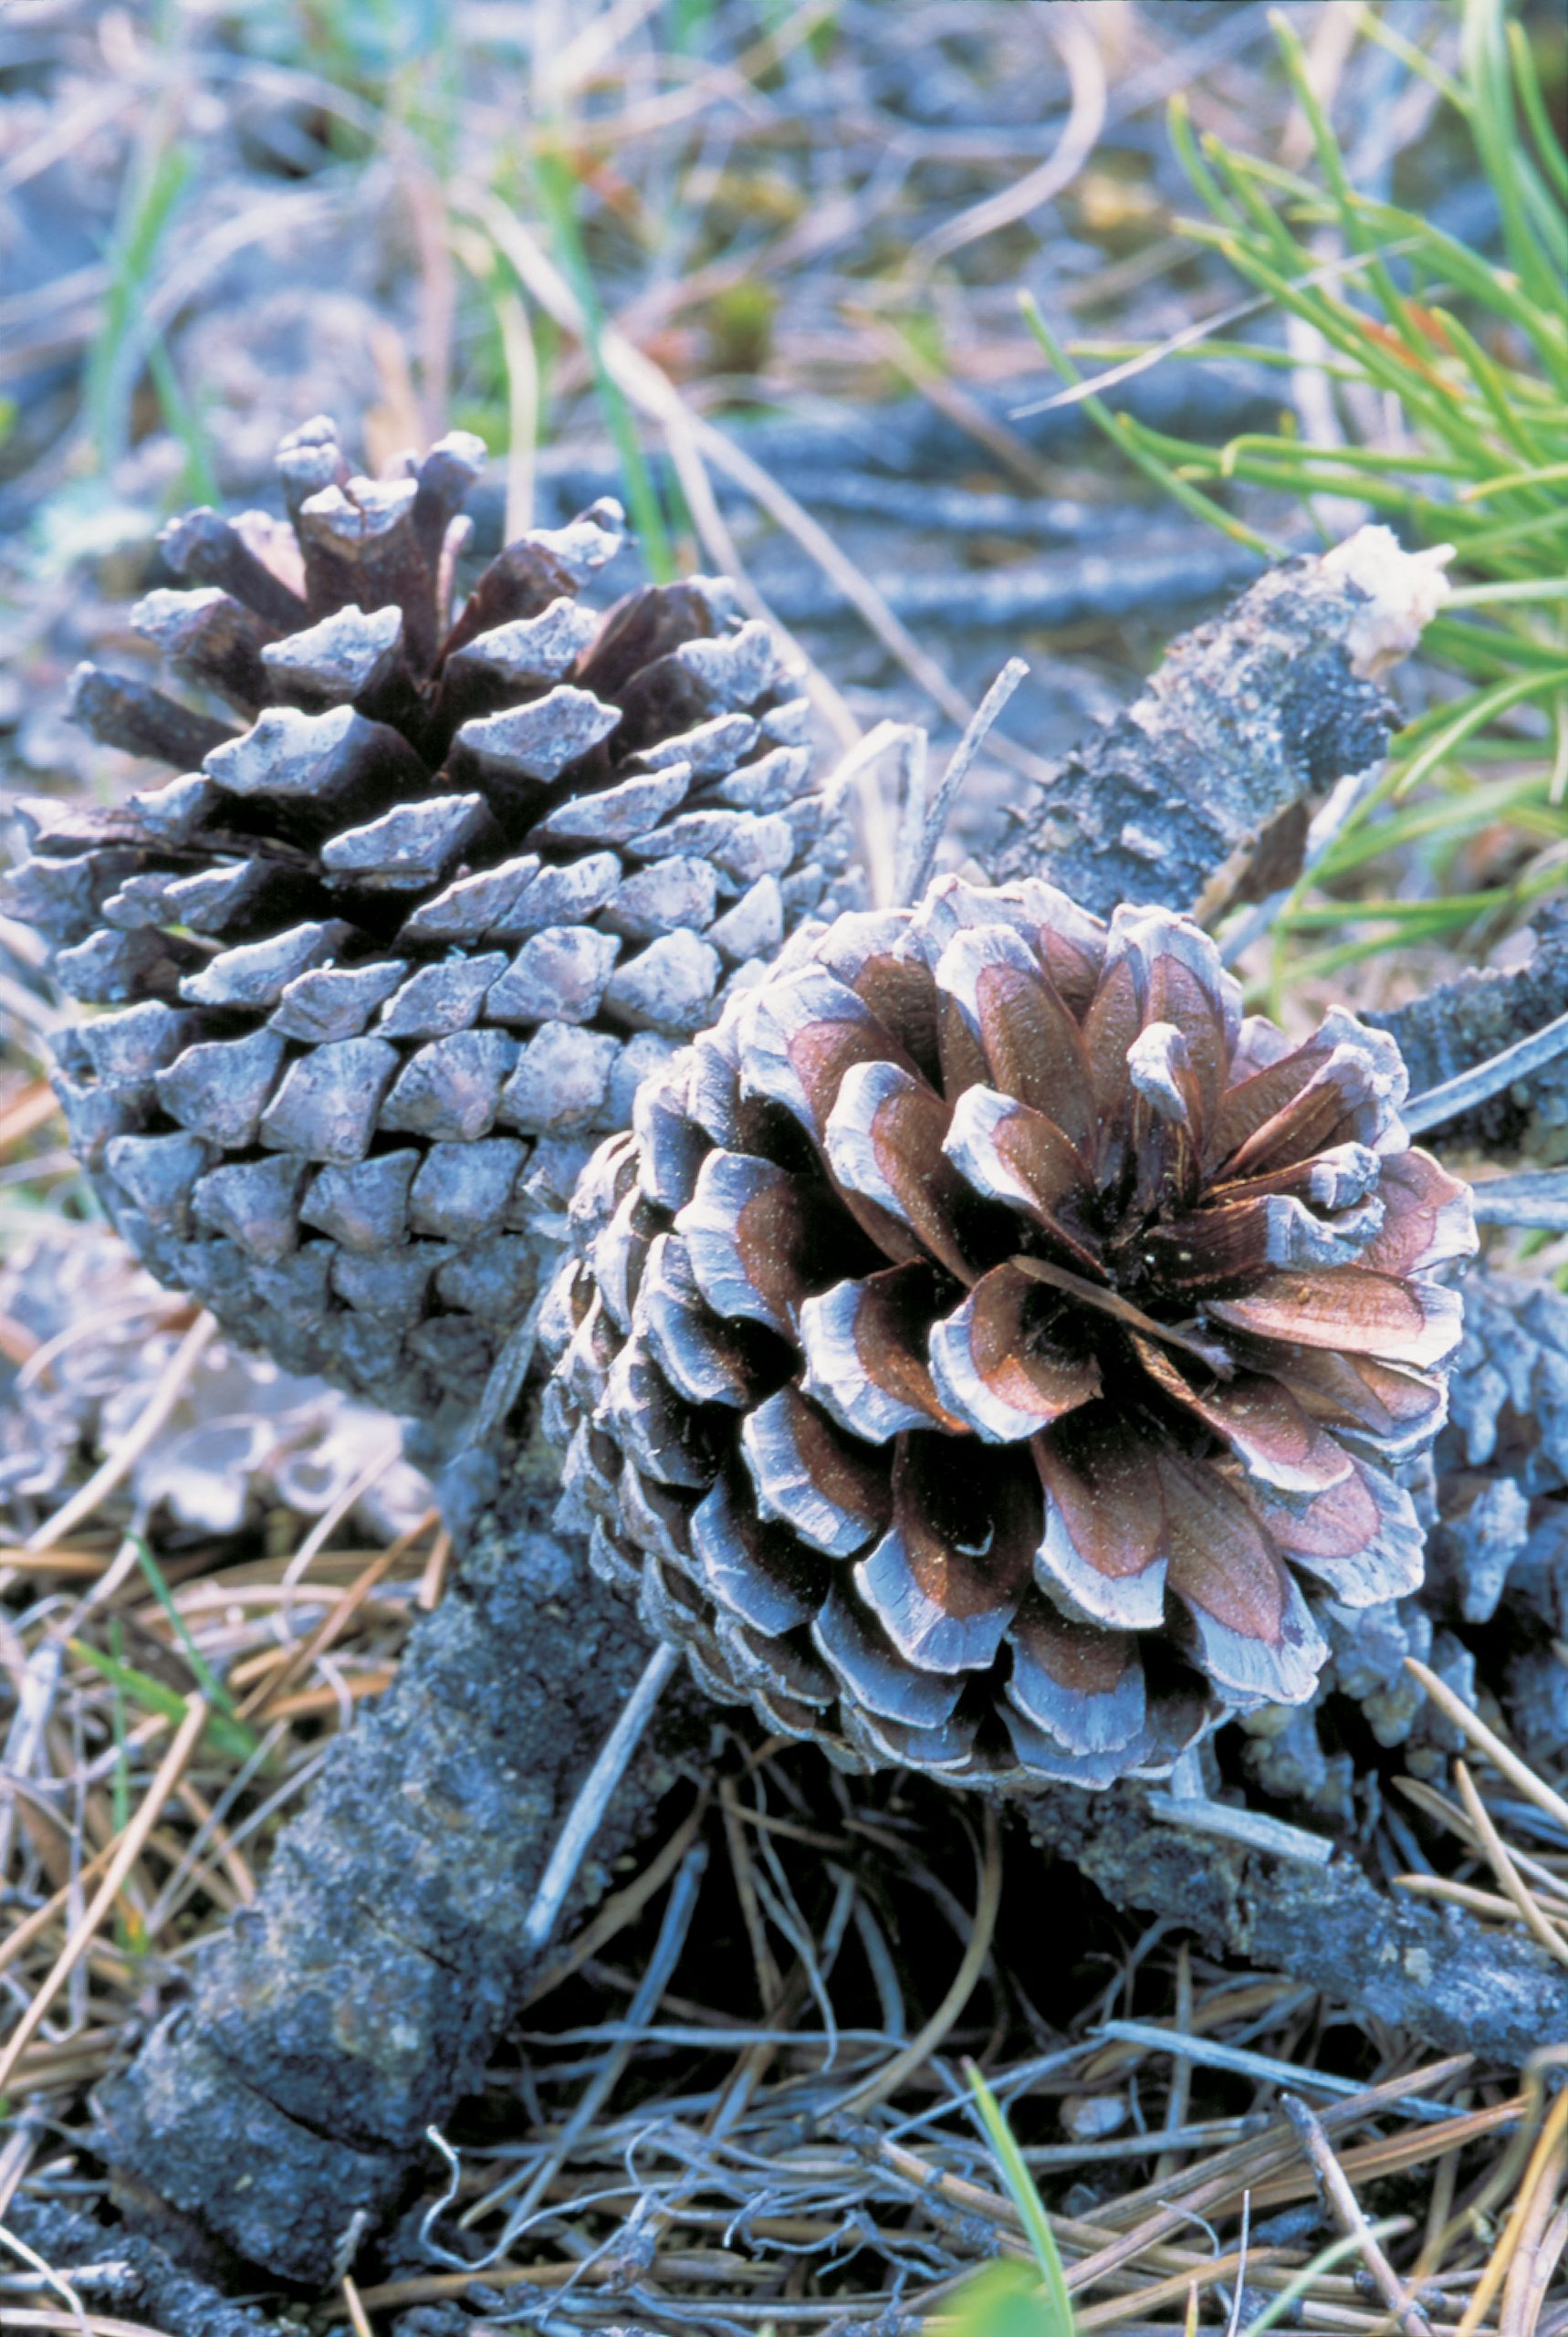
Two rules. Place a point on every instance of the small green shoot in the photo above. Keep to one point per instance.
(120, 1778)
(1301, 2283)
(560, 190)
(130, 1933)
(230, 1737)
(205, 1678)
(1010, 2300)
(1003, 2300)
(151, 198)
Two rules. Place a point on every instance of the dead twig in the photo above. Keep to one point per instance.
(1345, 2210)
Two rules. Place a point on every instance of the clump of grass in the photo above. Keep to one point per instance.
(1468, 358)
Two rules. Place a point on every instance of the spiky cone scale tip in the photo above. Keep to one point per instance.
(984, 1330)
(395, 945)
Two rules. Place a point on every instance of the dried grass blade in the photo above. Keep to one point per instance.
(1503, 1866)
(128, 1849)
(651, 389)
(22, 1936)
(1086, 118)
(1465, 1894)
(1551, 1804)
(32, 1109)
(920, 2049)
(1542, 2241)
(624, 1908)
(1346, 2210)
(84, 2324)
(582, 1819)
(118, 1464)
(1112, 2312)
(266, 1695)
(1544, 2168)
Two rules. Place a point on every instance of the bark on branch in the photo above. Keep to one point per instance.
(1433, 1971)
(1467, 1020)
(1199, 793)
(282, 2111)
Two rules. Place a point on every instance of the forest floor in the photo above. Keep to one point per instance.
(817, 220)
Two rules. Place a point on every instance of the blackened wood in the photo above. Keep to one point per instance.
(351, 2006)
(1434, 1972)
(136, 2276)
(912, 443)
(1248, 719)
(1124, 576)
(1464, 1022)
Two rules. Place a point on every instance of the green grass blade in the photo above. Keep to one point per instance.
(1487, 649)
(1528, 83)
(197, 483)
(1201, 179)
(1473, 718)
(1125, 432)
(559, 189)
(207, 1678)
(1552, 590)
(1375, 27)
(1336, 2252)
(1524, 218)
(148, 205)
(1331, 161)
(1026, 2198)
(230, 1737)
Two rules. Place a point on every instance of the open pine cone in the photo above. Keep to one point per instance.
(985, 1325)
(403, 943)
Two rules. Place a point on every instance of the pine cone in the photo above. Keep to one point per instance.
(400, 948)
(984, 1325)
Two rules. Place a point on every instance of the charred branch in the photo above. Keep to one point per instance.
(281, 2111)
(1432, 1971)
(1464, 1022)
(1199, 795)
